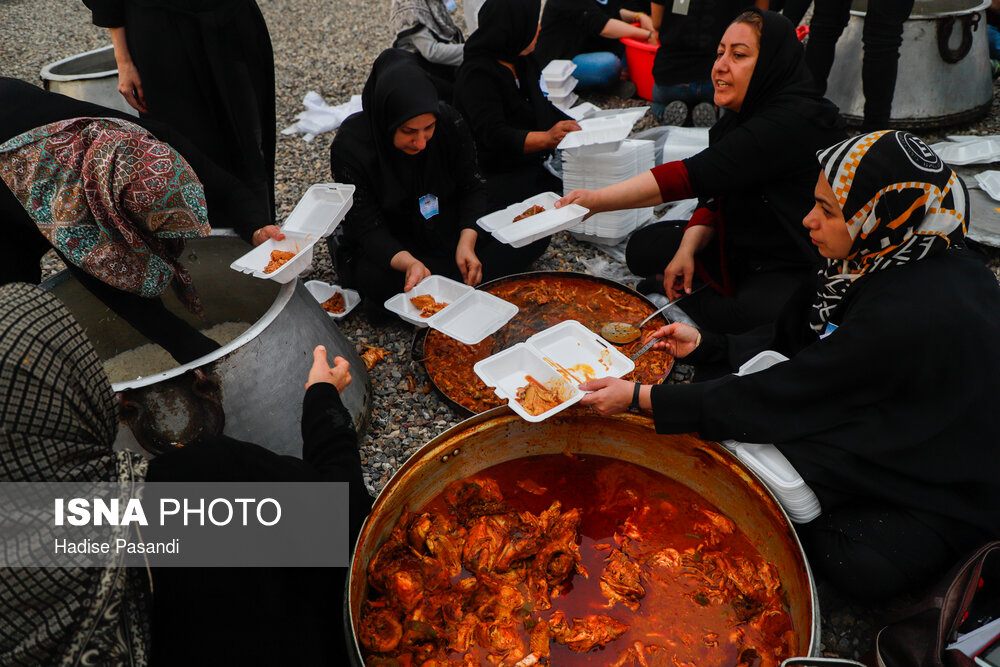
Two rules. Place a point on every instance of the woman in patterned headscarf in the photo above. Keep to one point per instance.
(886, 406)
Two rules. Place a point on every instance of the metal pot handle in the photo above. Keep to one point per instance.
(821, 662)
(945, 24)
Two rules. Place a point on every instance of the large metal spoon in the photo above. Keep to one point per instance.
(620, 333)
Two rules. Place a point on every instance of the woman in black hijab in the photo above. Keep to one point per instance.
(418, 190)
(497, 91)
(754, 184)
(886, 405)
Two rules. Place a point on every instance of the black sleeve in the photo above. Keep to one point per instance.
(330, 445)
(107, 13)
(593, 20)
(772, 147)
(363, 225)
(471, 185)
(481, 99)
(814, 391)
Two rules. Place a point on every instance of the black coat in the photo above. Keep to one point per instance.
(898, 405)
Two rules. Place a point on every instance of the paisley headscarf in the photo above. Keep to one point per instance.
(58, 421)
(901, 204)
(112, 199)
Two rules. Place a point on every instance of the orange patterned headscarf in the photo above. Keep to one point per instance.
(901, 202)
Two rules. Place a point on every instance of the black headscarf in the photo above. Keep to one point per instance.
(396, 91)
(781, 82)
(506, 27)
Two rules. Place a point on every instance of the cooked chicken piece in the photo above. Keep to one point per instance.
(278, 259)
(440, 537)
(335, 304)
(620, 581)
(380, 630)
(586, 632)
(470, 498)
(534, 210)
(463, 633)
(426, 304)
(531, 486)
(372, 355)
(402, 573)
(538, 639)
(716, 529)
(483, 544)
(537, 398)
(421, 639)
(560, 556)
(639, 655)
(501, 638)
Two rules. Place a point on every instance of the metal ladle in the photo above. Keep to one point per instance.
(620, 333)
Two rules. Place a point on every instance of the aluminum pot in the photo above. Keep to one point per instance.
(90, 76)
(251, 388)
(498, 435)
(944, 73)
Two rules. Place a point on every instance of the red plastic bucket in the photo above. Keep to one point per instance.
(640, 56)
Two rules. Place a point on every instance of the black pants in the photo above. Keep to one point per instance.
(870, 554)
(882, 35)
(793, 10)
(759, 297)
(377, 283)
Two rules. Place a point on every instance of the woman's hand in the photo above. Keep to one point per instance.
(589, 199)
(129, 83)
(339, 376)
(677, 339)
(465, 257)
(415, 272)
(645, 22)
(679, 274)
(608, 396)
(560, 130)
(265, 233)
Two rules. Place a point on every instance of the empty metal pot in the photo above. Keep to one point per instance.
(90, 76)
(251, 388)
(944, 67)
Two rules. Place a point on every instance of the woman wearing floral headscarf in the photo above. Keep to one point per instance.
(886, 406)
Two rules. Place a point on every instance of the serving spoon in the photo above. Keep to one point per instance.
(620, 333)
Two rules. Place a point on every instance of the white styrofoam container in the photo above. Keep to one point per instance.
(442, 289)
(322, 291)
(564, 101)
(316, 215)
(558, 70)
(569, 345)
(581, 111)
(989, 181)
(518, 234)
(596, 135)
(561, 88)
(474, 317)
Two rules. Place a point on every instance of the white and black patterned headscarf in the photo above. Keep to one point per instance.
(901, 204)
(58, 421)
(405, 16)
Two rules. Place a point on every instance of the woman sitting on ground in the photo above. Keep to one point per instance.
(147, 189)
(515, 127)
(754, 185)
(425, 29)
(418, 191)
(580, 30)
(886, 405)
(59, 422)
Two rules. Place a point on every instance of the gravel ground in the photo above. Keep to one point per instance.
(328, 47)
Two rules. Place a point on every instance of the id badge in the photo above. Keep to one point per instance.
(681, 7)
(830, 328)
(428, 206)
(450, 5)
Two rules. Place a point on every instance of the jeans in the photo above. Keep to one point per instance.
(597, 69)
(689, 93)
(882, 35)
(993, 38)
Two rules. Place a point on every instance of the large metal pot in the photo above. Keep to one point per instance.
(90, 76)
(252, 387)
(498, 435)
(944, 67)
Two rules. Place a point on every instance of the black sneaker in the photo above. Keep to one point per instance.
(675, 113)
(703, 115)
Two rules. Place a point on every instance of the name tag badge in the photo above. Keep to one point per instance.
(681, 7)
(450, 5)
(830, 328)
(428, 206)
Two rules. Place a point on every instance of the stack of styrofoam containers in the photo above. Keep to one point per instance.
(559, 82)
(591, 172)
